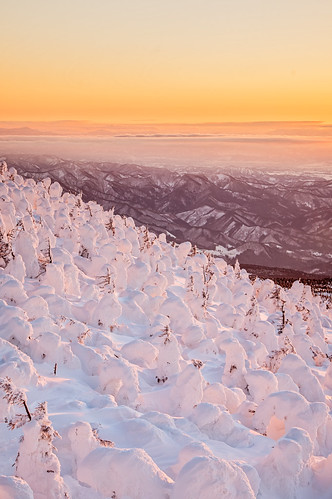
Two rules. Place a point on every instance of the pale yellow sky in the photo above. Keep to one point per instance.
(169, 61)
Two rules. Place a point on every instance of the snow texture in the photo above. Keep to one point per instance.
(132, 368)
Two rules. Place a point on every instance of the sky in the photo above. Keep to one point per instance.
(158, 61)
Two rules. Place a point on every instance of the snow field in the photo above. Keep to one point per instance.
(131, 368)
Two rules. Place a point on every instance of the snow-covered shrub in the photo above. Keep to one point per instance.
(302, 376)
(140, 352)
(17, 331)
(82, 442)
(16, 268)
(16, 365)
(124, 473)
(107, 311)
(213, 478)
(187, 390)
(12, 487)
(11, 397)
(260, 384)
(169, 355)
(36, 462)
(178, 312)
(119, 378)
(12, 290)
(35, 307)
(287, 467)
(25, 246)
(280, 411)
(218, 424)
(234, 369)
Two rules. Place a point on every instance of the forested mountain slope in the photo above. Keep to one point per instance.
(261, 218)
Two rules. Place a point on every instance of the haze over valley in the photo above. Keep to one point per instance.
(280, 219)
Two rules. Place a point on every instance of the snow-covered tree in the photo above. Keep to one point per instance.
(36, 461)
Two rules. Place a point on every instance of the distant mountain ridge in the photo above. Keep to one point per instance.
(282, 220)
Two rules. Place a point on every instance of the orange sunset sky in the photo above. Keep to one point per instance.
(126, 61)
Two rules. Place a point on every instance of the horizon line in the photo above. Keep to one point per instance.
(153, 122)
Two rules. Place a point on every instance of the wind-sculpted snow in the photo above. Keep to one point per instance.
(134, 368)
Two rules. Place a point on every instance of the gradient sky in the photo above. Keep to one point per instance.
(166, 60)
